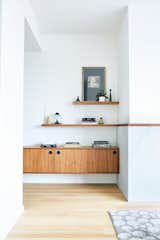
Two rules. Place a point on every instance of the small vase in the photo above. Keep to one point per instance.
(102, 99)
(101, 120)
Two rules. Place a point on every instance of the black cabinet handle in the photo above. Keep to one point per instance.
(114, 152)
(50, 152)
(58, 152)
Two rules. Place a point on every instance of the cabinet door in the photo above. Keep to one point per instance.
(113, 161)
(103, 161)
(70, 161)
(47, 161)
(30, 160)
(38, 160)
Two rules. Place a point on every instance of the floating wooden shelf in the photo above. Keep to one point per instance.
(139, 124)
(94, 103)
(103, 125)
(80, 125)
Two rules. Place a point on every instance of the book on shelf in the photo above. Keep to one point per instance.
(88, 121)
(101, 144)
(72, 144)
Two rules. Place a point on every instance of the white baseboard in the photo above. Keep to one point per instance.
(11, 221)
(70, 178)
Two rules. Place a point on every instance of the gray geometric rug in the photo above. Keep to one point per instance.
(136, 224)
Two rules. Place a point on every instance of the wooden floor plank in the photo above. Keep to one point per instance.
(70, 212)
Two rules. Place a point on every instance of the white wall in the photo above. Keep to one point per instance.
(123, 77)
(139, 148)
(60, 65)
(53, 79)
(145, 59)
(11, 103)
(123, 113)
(123, 166)
(144, 164)
(143, 151)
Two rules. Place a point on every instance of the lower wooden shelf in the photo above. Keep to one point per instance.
(103, 125)
(80, 125)
(71, 160)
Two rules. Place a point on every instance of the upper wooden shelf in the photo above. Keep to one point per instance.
(80, 125)
(94, 103)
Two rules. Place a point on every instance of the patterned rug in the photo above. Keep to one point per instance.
(136, 224)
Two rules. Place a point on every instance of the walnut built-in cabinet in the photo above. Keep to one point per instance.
(71, 160)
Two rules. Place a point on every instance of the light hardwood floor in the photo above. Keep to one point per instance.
(70, 212)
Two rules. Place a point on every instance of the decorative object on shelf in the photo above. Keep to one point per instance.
(58, 118)
(72, 144)
(101, 121)
(88, 121)
(101, 144)
(102, 99)
(93, 82)
(49, 120)
(101, 96)
(110, 95)
(77, 99)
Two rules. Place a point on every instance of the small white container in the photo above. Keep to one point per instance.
(102, 99)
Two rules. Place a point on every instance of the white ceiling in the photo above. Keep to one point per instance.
(78, 16)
